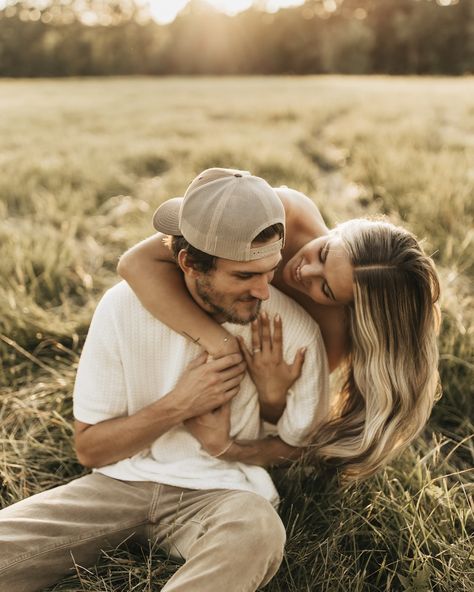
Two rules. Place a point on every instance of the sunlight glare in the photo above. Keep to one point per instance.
(231, 6)
(164, 11)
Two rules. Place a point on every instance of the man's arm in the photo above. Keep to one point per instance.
(202, 387)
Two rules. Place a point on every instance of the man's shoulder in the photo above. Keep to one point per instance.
(120, 300)
(290, 311)
(117, 294)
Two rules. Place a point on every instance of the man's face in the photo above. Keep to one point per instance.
(233, 291)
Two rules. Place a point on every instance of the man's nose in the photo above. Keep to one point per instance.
(260, 288)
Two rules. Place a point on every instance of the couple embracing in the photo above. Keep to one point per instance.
(213, 363)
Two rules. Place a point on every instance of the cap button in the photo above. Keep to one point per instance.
(237, 175)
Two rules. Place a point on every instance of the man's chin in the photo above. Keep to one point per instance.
(243, 317)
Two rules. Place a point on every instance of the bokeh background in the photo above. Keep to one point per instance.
(104, 37)
(107, 108)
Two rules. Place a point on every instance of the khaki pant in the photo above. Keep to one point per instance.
(231, 540)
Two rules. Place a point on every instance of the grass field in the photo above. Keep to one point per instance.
(84, 163)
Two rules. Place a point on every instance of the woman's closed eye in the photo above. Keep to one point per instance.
(323, 253)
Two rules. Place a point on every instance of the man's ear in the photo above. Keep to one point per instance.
(184, 264)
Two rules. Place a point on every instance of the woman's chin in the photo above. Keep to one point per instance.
(287, 274)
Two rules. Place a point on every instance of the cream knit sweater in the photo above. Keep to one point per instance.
(130, 360)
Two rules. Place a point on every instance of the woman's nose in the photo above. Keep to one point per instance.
(308, 270)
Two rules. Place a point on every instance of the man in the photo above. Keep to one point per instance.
(140, 395)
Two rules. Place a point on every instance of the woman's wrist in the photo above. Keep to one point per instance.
(272, 397)
(221, 345)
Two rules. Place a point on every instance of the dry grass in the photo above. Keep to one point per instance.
(84, 162)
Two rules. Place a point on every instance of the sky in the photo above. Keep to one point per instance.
(164, 11)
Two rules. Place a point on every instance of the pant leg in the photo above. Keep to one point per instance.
(231, 540)
(42, 536)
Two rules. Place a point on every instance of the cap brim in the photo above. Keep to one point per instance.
(166, 217)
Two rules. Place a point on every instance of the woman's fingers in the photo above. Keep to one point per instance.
(298, 362)
(245, 351)
(277, 338)
(256, 341)
(265, 330)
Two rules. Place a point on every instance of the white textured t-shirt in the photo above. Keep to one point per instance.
(130, 360)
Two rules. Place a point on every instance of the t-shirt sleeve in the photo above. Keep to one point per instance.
(99, 390)
(307, 400)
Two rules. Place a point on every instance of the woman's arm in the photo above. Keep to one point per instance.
(213, 432)
(153, 275)
(269, 452)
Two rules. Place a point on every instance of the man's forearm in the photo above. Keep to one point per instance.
(115, 439)
(265, 453)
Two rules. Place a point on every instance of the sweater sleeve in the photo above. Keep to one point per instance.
(99, 391)
(307, 401)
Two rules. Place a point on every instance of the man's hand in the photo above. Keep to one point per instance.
(212, 429)
(202, 388)
(207, 385)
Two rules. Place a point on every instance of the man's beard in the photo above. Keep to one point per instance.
(216, 301)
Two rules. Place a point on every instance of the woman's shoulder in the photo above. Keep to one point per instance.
(302, 214)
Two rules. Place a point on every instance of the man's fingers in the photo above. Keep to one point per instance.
(198, 361)
(229, 395)
(231, 383)
(225, 362)
(237, 370)
(224, 411)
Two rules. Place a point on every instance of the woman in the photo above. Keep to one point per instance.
(374, 294)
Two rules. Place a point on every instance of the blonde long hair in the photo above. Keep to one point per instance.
(390, 376)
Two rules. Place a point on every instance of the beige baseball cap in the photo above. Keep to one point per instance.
(222, 212)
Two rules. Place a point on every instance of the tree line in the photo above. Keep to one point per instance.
(118, 37)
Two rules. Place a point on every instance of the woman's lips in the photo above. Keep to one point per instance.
(297, 272)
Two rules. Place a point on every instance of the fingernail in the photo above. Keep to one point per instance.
(277, 318)
(303, 350)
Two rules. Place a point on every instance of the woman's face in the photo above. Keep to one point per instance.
(322, 270)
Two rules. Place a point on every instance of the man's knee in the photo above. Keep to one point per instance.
(261, 531)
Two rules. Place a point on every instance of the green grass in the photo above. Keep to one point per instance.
(84, 163)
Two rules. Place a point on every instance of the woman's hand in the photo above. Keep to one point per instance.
(267, 368)
(212, 430)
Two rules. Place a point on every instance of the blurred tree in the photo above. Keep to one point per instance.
(100, 37)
